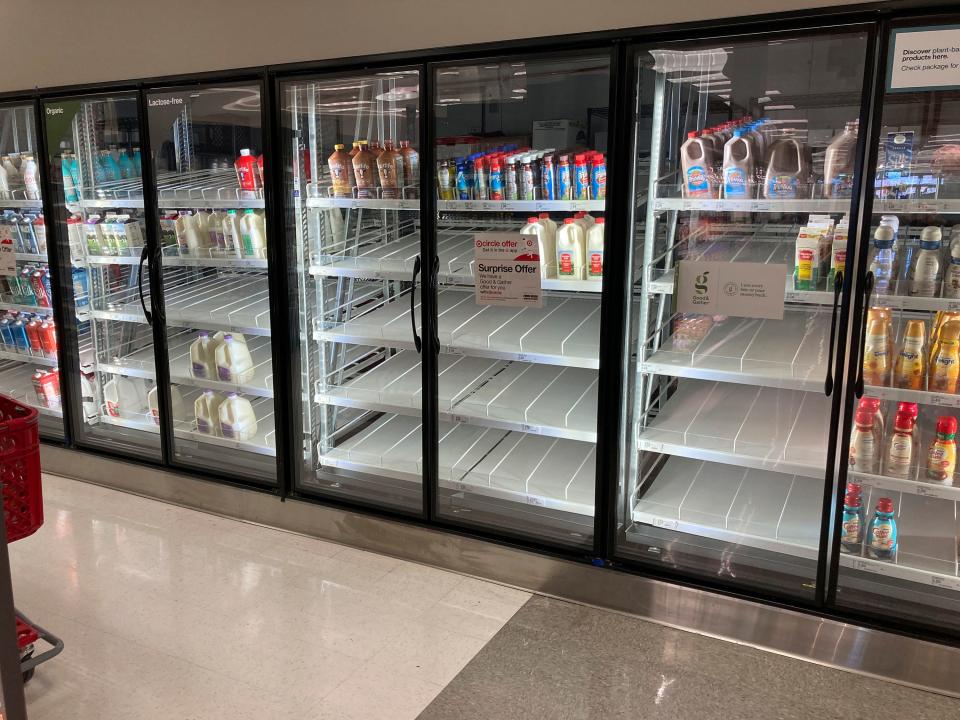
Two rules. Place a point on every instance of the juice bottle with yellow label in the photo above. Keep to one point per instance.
(945, 368)
(910, 368)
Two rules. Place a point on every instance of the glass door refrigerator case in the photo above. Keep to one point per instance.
(206, 143)
(898, 524)
(29, 369)
(745, 150)
(353, 191)
(521, 198)
(93, 145)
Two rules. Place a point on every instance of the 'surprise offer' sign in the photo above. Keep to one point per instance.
(506, 269)
(926, 58)
(754, 290)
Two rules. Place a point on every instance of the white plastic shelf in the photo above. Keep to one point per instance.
(530, 469)
(455, 251)
(19, 202)
(17, 382)
(947, 206)
(927, 530)
(24, 357)
(31, 257)
(203, 189)
(758, 508)
(565, 331)
(916, 484)
(353, 203)
(527, 206)
(788, 353)
(756, 205)
(752, 427)
(921, 397)
(540, 399)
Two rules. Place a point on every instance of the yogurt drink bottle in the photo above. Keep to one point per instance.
(237, 418)
(570, 251)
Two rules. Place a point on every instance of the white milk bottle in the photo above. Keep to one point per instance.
(206, 410)
(215, 229)
(201, 219)
(253, 231)
(549, 258)
(738, 167)
(13, 175)
(951, 281)
(925, 267)
(201, 357)
(787, 170)
(696, 155)
(125, 397)
(533, 227)
(232, 236)
(237, 419)
(176, 404)
(31, 177)
(189, 235)
(594, 262)
(234, 363)
(570, 251)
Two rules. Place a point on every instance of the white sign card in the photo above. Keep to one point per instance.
(8, 256)
(506, 269)
(754, 290)
(925, 58)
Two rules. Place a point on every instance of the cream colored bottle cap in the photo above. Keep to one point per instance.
(931, 234)
(883, 232)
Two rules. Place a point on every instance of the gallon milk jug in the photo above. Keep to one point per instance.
(201, 357)
(838, 163)
(88, 396)
(234, 363)
(189, 236)
(215, 229)
(594, 258)
(533, 227)
(237, 419)
(254, 234)
(125, 397)
(696, 156)
(738, 167)
(549, 258)
(206, 409)
(570, 251)
(232, 236)
(786, 170)
(176, 405)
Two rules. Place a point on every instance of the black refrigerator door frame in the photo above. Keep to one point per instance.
(275, 278)
(867, 192)
(845, 322)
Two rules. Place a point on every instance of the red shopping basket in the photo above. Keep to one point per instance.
(20, 468)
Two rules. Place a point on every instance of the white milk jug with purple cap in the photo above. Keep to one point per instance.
(237, 418)
(234, 363)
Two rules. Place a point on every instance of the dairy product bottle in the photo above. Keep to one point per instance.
(876, 357)
(898, 458)
(31, 177)
(951, 281)
(696, 156)
(189, 236)
(245, 167)
(787, 170)
(237, 418)
(232, 235)
(838, 163)
(215, 229)
(545, 248)
(176, 404)
(863, 448)
(925, 267)
(201, 357)
(125, 397)
(206, 409)
(253, 234)
(882, 261)
(945, 366)
(594, 255)
(942, 455)
(233, 360)
(13, 175)
(570, 251)
(882, 536)
(390, 170)
(738, 167)
(910, 369)
(851, 530)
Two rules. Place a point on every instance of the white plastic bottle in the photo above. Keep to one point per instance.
(253, 232)
(594, 262)
(951, 280)
(234, 363)
(125, 397)
(176, 404)
(739, 169)
(549, 258)
(31, 177)
(206, 409)
(696, 156)
(570, 251)
(189, 236)
(533, 227)
(838, 162)
(925, 268)
(201, 356)
(237, 418)
(883, 261)
(13, 175)
(215, 229)
(232, 236)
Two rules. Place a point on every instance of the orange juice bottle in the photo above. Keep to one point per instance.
(910, 368)
(945, 368)
(876, 353)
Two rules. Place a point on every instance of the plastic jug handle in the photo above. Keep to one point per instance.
(868, 288)
(837, 291)
(418, 344)
(143, 303)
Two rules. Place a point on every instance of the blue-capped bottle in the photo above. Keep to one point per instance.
(463, 189)
(882, 536)
(851, 530)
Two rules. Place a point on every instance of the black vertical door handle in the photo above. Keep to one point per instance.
(868, 290)
(143, 303)
(417, 343)
(837, 292)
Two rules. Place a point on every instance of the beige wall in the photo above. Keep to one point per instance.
(54, 42)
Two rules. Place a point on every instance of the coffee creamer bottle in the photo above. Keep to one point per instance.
(863, 447)
(942, 456)
(876, 357)
(883, 261)
(944, 369)
(951, 281)
(390, 171)
(898, 459)
(882, 535)
(341, 171)
(910, 369)
(365, 172)
(925, 266)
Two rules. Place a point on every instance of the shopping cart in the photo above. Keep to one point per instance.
(23, 511)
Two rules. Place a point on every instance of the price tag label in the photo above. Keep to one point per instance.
(953, 305)
(945, 400)
(451, 350)
(945, 582)
(459, 418)
(763, 206)
(666, 523)
(928, 207)
(536, 500)
(793, 296)
(651, 446)
(928, 491)
(523, 357)
(861, 565)
(533, 429)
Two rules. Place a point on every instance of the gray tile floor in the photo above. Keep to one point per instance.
(558, 660)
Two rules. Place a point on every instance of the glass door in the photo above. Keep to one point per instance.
(898, 525)
(94, 148)
(353, 188)
(521, 179)
(29, 369)
(744, 175)
(207, 148)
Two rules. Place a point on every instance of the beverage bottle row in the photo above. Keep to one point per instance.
(231, 417)
(19, 176)
(27, 232)
(110, 234)
(110, 165)
(511, 173)
(202, 233)
(879, 538)
(929, 269)
(28, 334)
(570, 251)
(368, 166)
(744, 159)
(223, 357)
(31, 285)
